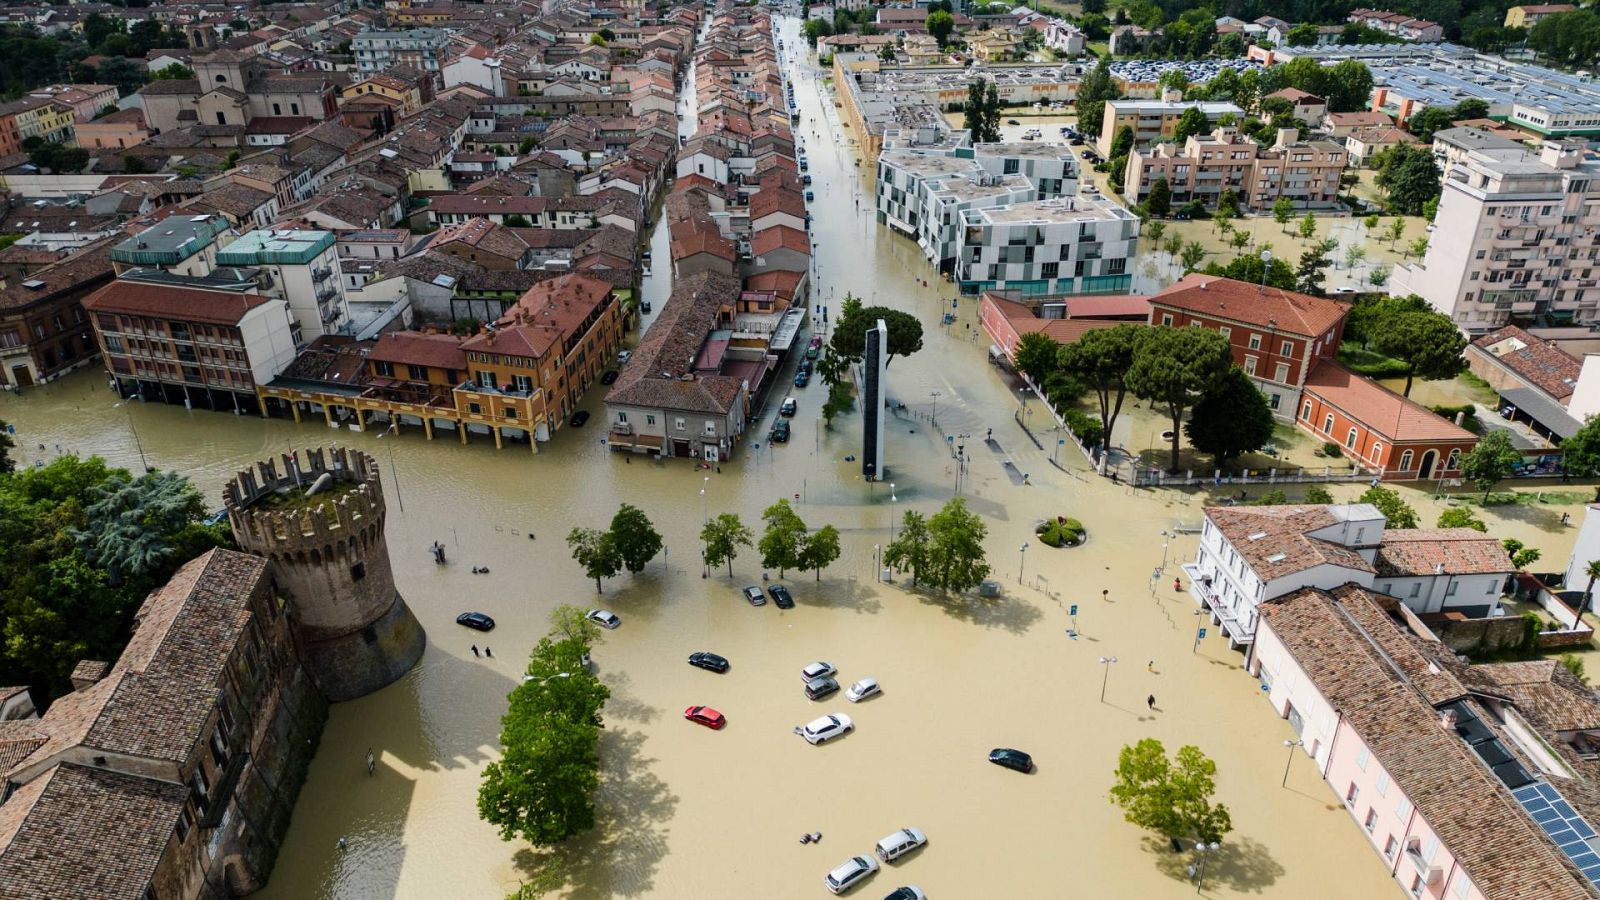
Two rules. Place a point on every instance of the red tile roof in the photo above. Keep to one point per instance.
(411, 348)
(1392, 417)
(166, 301)
(1241, 301)
(1422, 551)
(1108, 306)
(1275, 541)
(1538, 361)
(780, 237)
(1024, 320)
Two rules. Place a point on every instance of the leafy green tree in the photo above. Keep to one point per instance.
(541, 789)
(819, 550)
(1100, 359)
(569, 622)
(1249, 268)
(1093, 91)
(131, 523)
(1122, 143)
(1417, 247)
(1192, 122)
(1309, 275)
(1173, 367)
(1318, 494)
(1232, 418)
(956, 560)
(1174, 245)
(849, 340)
(1591, 570)
(1396, 514)
(1397, 230)
(982, 112)
(1354, 254)
(939, 24)
(1308, 227)
(1038, 356)
(1227, 205)
(1192, 255)
(782, 542)
(636, 540)
(596, 551)
(1522, 556)
(1580, 454)
(7, 444)
(1239, 240)
(1427, 341)
(721, 539)
(1159, 203)
(1154, 230)
(911, 549)
(1379, 276)
(1460, 517)
(1491, 462)
(1408, 176)
(1171, 797)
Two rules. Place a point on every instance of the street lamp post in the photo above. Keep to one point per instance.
(705, 514)
(394, 475)
(133, 428)
(1105, 666)
(1199, 630)
(935, 395)
(1266, 263)
(877, 562)
(892, 501)
(1205, 850)
(1289, 745)
(1023, 562)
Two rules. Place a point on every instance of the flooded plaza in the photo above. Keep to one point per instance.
(688, 812)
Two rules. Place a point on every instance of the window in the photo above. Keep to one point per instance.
(1372, 819)
(510, 412)
(1255, 342)
(1287, 349)
(622, 417)
(1166, 319)
(1273, 400)
(487, 379)
(1454, 462)
(678, 424)
(1050, 270)
(522, 383)
(711, 429)
(1462, 885)
(649, 420)
(1305, 411)
(1389, 847)
(1352, 795)
(185, 822)
(1224, 330)
(1416, 885)
(277, 110)
(1405, 461)
(1280, 373)
(1327, 424)
(417, 373)
(1362, 757)
(1383, 784)
(1350, 439)
(1249, 363)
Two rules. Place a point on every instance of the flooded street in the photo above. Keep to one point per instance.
(688, 812)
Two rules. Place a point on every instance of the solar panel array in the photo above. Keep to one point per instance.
(1564, 826)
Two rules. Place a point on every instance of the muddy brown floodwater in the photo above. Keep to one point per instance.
(688, 812)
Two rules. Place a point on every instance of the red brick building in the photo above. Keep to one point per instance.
(1277, 336)
(1380, 429)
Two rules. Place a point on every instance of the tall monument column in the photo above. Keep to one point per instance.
(319, 525)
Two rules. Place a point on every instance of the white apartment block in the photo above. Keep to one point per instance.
(1516, 236)
(300, 268)
(1064, 245)
(923, 191)
(1251, 554)
(419, 48)
(1155, 119)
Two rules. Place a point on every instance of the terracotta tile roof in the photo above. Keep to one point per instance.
(165, 301)
(86, 268)
(691, 236)
(411, 348)
(1364, 117)
(79, 832)
(1024, 320)
(778, 281)
(1275, 541)
(1501, 850)
(1090, 306)
(484, 235)
(1539, 362)
(1241, 301)
(1396, 419)
(1550, 696)
(780, 237)
(654, 377)
(1422, 551)
(1382, 134)
(544, 317)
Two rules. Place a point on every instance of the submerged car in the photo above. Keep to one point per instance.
(781, 596)
(605, 618)
(861, 690)
(754, 595)
(850, 873)
(475, 620)
(818, 669)
(825, 729)
(1015, 760)
(900, 843)
(711, 662)
(818, 688)
(705, 715)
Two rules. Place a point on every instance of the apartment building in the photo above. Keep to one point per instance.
(1277, 336)
(43, 330)
(183, 245)
(1082, 244)
(1251, 555)
(1152, 120)
(1515, 239)
(205, 340)
(301, 268)
(423, 49)
(1529, 16)
(923, 191)
(1399, 25)
(41, 117)
(1306, 172)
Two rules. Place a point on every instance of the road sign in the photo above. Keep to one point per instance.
(1074, 610)
(1202, 634)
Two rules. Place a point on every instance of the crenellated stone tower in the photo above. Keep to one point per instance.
(328, 553)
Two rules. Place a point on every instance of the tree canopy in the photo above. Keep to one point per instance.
(784, 539)
(1172, 368)
(956, 561)
(981, 116)
(1170, 796)
(1396, 514)
(1492, 461)
(636, 540)
(721, 539)
(1232, 418)
(596, 551)
(911, 550)
(849, 340)
(1100, 359)
(1425, 340)
(1408, 176)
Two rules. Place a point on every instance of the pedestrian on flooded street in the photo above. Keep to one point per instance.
(372, 762)
(475, 650)
(487, 652)
(1150, 701)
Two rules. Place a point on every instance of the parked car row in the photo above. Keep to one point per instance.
(858, 869)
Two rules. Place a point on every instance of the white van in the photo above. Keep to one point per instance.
(900, 843)
(789, 407)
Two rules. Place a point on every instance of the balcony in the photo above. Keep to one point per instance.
(327, 293)
(321, 273)
(1200, 587)
(472, 387)
(623, 428)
